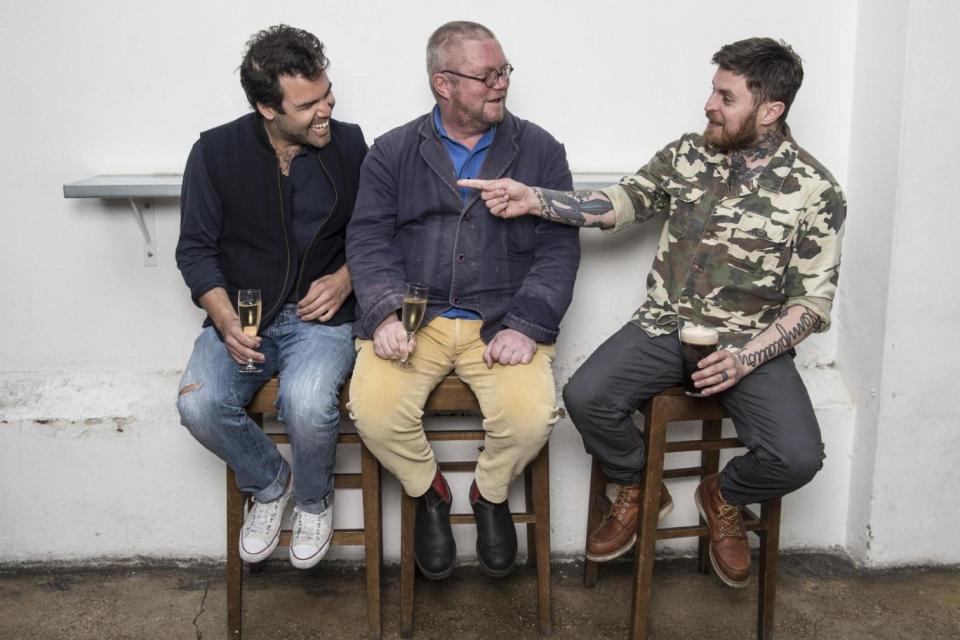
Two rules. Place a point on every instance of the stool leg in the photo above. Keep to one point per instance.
(598, 484)
(710, 461)
(655, 433)
(372, 536)
(769, 553)
(531, 527)
(541, 510)
(235, 500)
(408, 515)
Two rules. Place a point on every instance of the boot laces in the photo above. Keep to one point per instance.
(730, 521)
(620, 505)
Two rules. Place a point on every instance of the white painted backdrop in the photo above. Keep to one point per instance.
(93, 462)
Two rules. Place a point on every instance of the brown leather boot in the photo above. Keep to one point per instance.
(729, 548)
(618, 532)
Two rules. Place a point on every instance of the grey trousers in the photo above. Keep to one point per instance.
(770, 408)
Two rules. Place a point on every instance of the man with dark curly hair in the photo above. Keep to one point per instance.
(265, 203)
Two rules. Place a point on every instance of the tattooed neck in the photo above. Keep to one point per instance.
(748, 163)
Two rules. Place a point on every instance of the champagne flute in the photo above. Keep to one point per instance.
(412, 312)
(249, 305)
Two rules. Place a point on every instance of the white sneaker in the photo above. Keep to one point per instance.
(312, 533)
(261, 528)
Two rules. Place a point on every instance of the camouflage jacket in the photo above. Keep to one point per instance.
(734, 257)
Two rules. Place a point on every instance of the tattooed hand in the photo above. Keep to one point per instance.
(505, 198)
(787, 331)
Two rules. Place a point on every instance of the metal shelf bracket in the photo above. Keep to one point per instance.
(147, 221)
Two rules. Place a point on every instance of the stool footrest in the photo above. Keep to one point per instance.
(468, 518)
(685, 472)
(677, 446)
(347, 481)
(697, 531)
(341, 537)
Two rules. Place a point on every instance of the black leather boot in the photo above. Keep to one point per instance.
(496, 535)
(434, 548)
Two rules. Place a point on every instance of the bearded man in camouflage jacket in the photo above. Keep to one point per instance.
(751, 247)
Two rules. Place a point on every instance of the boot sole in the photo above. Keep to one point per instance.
(436, 576)
(613, 555)
(494, 573)
(713, 561)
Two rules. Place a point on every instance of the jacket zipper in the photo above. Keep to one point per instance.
(336, 198)
(286, 244)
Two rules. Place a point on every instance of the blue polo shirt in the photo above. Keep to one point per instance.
(466, 164)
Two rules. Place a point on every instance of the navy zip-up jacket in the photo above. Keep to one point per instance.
(236, 226)
(411, 225)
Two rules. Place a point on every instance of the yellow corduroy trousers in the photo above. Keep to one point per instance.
(518, 403)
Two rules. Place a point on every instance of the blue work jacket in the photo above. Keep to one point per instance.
(410, 224)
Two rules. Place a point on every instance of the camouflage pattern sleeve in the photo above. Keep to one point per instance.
(639, 197)
(811, 276)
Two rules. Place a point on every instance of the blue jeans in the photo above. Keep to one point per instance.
(312, 362)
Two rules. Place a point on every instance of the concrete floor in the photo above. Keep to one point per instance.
(819, 596)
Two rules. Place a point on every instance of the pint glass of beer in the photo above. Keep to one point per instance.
(696, 343)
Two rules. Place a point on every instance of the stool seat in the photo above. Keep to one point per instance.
(659, 412)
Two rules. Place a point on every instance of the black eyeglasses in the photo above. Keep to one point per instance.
(490, 78)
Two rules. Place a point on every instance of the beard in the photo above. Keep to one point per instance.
(476, 119)
(726, 141)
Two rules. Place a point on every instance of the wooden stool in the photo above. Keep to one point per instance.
(368, 481)
(673, 406)
(453, 396)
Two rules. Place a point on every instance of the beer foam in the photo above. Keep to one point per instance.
(693, 334)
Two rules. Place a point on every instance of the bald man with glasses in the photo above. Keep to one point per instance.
(497, 292)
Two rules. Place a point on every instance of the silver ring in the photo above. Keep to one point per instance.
(723, 376)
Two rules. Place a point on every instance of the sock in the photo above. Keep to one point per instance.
(440, 486)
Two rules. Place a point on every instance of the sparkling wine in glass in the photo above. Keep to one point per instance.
(412, 312)
(249, 305)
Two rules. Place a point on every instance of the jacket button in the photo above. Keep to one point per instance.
(456, 301)
(466, 216)
(461, 258)
(684, 299)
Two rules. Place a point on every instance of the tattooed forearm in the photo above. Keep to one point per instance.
(575, 208)
(789, 334)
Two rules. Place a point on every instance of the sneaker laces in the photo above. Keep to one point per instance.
(730, 521)
(263, 513)
(308, 524)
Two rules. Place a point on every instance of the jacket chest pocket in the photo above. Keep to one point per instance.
(759, 245)
(684, 199)
(518, 235)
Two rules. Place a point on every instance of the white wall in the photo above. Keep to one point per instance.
(94, 341)
(909, 498)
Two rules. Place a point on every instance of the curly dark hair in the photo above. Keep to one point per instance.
(279, 50)
(772, 69)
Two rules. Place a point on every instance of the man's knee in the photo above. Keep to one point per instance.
(377, 414)
(802, 464)
(578, 397)
(198, 408)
